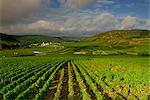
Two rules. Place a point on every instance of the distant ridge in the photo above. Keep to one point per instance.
(28, 38)
(119, 34)
(15, 41)
(116, 39)
(8, 41)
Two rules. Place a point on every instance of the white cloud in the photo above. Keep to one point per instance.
(79, 24)
(72, 4)
(147, 24)
(106, 2)
(72, 24)
(129, 22)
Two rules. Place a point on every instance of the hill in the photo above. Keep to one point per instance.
(37, 39)
(119, 34)
(14, 41)
(28, 38)
(114, 41)
(8, 38)
(115, 37)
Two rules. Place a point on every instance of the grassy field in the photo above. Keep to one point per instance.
(72, 77)
(27, 51)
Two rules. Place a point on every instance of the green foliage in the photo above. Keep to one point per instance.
(90, 83)
(15, 42)
(119, 34)
(85, 95)
(144, 53)
(117, 42)
(115, 76)
(70, 82)
(59, 87)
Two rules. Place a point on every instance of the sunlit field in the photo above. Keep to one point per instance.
(113, 77)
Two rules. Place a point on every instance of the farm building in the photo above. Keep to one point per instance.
(36, 53)
(80, 52)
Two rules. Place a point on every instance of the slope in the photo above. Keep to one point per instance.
(114, 41)
(14, 41)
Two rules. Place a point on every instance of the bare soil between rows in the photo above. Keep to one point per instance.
(64, 92)
(77, 92)
(50, 94)
(87, 86)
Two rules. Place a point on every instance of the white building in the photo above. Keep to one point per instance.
(45, 44)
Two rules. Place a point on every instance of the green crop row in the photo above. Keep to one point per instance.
(13, 84)
(85, 95)
(70, 82)
(44, 89)
(35, 86)
(22, 76)
(23, 86)
(59, 87)
(128, 83)
(89, 82)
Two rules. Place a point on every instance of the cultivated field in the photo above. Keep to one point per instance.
(63, 78)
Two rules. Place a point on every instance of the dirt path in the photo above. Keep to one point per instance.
(64, 92)
(77, 93)
(87, 86)
(50, 94)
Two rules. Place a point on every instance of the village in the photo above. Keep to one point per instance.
(47, 44)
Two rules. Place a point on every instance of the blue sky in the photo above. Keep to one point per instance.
(72, 17)
(137, 8)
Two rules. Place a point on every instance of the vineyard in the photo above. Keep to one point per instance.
(45, 78)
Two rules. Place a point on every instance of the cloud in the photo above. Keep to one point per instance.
(12, 10)
(72, 4)
(106, 2)
(72, 24)
(147, 24)
(130, 22)
(37, 27)
(78, 25)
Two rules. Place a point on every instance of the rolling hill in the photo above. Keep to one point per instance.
(115, 37)
(119, 34)
(133, 40)
(122, 38)
(28, 38)
(9, 41)
(115, 41)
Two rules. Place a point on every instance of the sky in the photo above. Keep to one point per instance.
(72, 17)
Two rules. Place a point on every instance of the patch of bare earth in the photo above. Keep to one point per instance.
(77, 92)
(64, 92)
(87, 86)
(50, 94)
